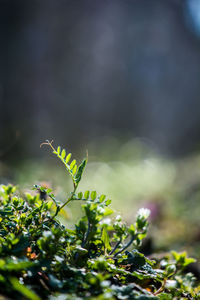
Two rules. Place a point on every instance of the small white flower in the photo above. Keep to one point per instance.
(106, 221)
(143, 213)
(100, 210)
(118, 218)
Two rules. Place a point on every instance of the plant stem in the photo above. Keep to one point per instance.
(87, 235)
(161, 289)
(64, 204)
(126, 246)
(115, 248)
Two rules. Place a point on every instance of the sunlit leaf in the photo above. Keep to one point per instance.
(63, 153)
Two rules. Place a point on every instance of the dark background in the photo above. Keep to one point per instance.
(77, 70)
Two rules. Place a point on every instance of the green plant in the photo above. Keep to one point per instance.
(99, 258)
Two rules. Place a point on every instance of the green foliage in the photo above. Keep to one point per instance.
(99, 258)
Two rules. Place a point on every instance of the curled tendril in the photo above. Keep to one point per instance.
(48, 143)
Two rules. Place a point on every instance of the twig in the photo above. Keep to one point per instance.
(87, 235)
(115, 248)
(126, 246)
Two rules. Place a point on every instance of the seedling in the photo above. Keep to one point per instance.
(99, 258)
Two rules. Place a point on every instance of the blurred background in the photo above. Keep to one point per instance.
(120, 78)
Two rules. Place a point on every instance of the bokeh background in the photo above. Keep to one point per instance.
(120, 78)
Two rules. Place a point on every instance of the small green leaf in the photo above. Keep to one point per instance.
(93, 195)
(68, 157)
(72, 164)
(108, 201)
(80, 170)
(81, 250)
(6, 212)
(80, 195)
(58, 150)
(16, 265)
(105, 239)
(107, 211)
(23, 289)
(74, 170)
(86, 195)
(170, 270)
(63, 153)
(102, 198)
(132, 229)
(182, 259)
